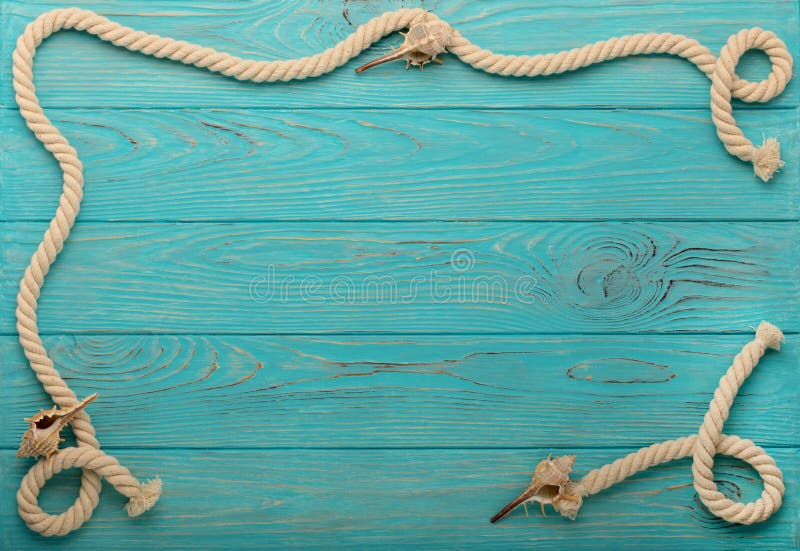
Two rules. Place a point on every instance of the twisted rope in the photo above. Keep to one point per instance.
(702, 447)
(725, 83)
(94, 463)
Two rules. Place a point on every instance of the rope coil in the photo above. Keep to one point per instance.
(566, 496)
(708, 442)
(94, 463)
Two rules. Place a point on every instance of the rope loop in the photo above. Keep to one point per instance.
(725, 83)
(702, 447)
(780, 64)
(710, 441)
(95, 465)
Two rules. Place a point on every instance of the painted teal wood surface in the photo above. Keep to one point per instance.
(403, 498)
(424, 277)
(356, 311)
(294, 28)
(425, 391)
(253, 165)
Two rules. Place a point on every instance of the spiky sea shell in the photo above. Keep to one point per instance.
(423, 42)
(553, 472)
(550, 485)
(44, 433)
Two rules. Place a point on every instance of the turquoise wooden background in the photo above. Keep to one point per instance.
(605, 256)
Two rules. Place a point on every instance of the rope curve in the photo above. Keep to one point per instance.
(94, 463)
(702, 447)
(725, 83)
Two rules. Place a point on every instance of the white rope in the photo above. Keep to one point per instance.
(551, 483)
(87, 455)
(708, 442)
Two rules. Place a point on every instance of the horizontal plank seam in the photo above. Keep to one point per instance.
(342, 221)
(432, 107)
(544, 446)
(677, 333)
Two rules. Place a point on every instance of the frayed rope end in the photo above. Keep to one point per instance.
(149, 492)
(767, 159)
(569, 507)
(771, 336)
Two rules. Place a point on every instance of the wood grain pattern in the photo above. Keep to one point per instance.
(399, 164)
(592, 242)
(411, 391)
(277, 30)
(413, 278)
(399, 498)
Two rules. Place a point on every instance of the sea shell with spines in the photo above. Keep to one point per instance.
(424, 41)
(44, 433)
(550, 485)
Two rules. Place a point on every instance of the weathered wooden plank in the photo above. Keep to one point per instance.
(70, 68)
(440, 277)
(320, 440)
(365, 498)
(404, 391)
(399, 164)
